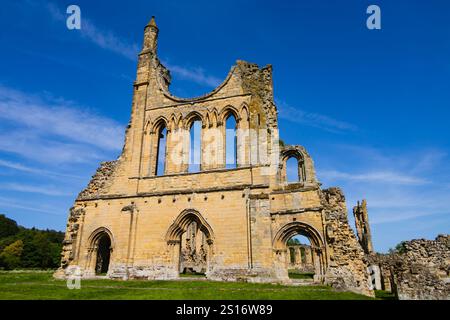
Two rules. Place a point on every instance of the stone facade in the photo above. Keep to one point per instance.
(231, 222)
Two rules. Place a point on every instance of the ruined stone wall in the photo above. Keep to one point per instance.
(420, 270)
(247, 213)
(347, 268)
(100, 181)
(362, 226)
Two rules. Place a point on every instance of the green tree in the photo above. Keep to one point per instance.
(39, 248)
(8, 227)
(293, 242)
(11, 255)
(399, 248)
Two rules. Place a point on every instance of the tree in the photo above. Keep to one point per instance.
(399, 248)
(38, 248)
(293, 242)
(8, 227)
(11, 255)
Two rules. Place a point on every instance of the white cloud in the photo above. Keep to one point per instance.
(317, 120)
(20, 167)
(47, 128)
(403, 216)
(377, 176)
(196, 75)
(404, 189)
(45, 190)
(10, 203)
(107, 40)
(31, 145)
(103, 38)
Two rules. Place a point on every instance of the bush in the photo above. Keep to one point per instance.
(11, 255)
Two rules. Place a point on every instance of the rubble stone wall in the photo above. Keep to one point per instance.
(421, 270)
(348, 268)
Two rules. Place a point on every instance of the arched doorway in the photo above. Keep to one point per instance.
(313, 255)
(103, 255)
(101, 244)
(190, 240)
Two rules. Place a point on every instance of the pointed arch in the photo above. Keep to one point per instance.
(227, 111)
(181, 223)
(161, 131)
(294, 228)
(231, 140)
(97, 233)
(208, 123)
(244, 113)
(191, 117)
(173, 122)
(214, 117)
(100, 250)
(148, 124)
(160, 121)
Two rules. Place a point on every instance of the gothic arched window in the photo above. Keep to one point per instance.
(292, 172)
(195, 146)
(161, 151)
(230, 142)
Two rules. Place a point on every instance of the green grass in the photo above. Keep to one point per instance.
(41, 285)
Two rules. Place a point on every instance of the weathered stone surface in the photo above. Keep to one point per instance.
(348, 265)
(100, 181)
(420, 271)
(362, 226)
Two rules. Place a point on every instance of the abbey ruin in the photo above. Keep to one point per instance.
(202, 186)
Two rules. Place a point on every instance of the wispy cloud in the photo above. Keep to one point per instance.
(404, 216)
(197, 75)
(103, 38)
(20, 167)
(32, 145)
(404, 188)
(379, 176)
(297, 115)
(11, 203)
(45, 190)
(48, 127)
(106, 39)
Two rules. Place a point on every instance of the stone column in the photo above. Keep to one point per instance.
(308, 256)
(298, 257)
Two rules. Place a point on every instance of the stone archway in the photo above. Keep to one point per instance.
(282, 256)
(103, 255)
(190, 240)
(101, 244)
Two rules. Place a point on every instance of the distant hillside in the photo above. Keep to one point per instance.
(28, 248)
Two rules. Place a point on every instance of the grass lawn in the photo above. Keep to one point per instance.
(41, 285)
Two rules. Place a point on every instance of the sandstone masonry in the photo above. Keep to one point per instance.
(151, 214)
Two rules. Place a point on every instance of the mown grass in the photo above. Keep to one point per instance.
(41, 285)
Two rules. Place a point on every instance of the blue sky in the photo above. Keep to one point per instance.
(371, 106)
